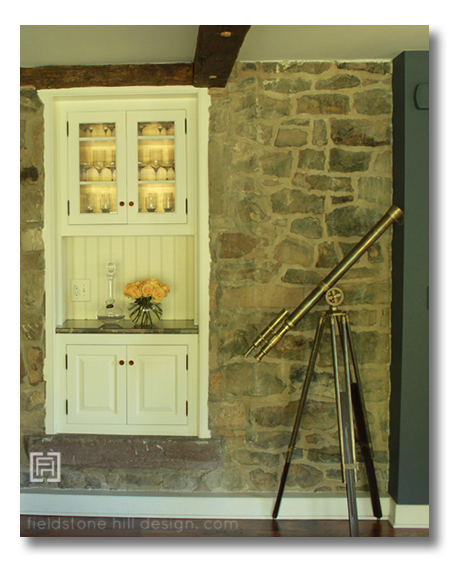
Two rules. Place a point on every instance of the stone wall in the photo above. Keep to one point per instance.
(32, 264)
(300, 169)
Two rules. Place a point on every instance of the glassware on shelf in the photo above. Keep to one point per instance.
(151, 202)
(110, 313)
(105, 204)
(89, 205)
(168, 202)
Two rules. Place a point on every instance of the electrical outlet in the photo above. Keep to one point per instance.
(80, 290)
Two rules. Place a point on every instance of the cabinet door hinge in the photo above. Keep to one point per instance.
(68, 207)
(187, 408)
(67, 407)
(67, 128)
(66, 361)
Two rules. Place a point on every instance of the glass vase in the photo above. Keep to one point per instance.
(144, 312)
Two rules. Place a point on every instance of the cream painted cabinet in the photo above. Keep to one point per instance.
(134, 389)
(96, 385)
(126, 182)
(127, 167)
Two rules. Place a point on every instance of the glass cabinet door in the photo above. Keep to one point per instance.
(97, 168)
(156, 166)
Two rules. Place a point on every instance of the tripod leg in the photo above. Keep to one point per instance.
(345, 425)
(302, 401)
(364, 438)
(366, 451)
(349, 467)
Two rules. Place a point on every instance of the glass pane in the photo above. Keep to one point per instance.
(156, 166)
(95, 198)
(97, 150)
(157, 198)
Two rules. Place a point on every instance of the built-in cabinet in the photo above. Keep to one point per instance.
(129, 384)
(125, 171)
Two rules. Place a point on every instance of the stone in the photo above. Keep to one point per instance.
(383, 67)
(309, 227)
(348, 161)
(238, 379)
(32, 288)
(291, 138)
(129, 451)
(276, 163)
(31, 240)
(350, 221)
(360, 132)
(320, 104)
(290, 251)
(326, 183)
(272, 108)
(311, 159)
(338, 82)
(301, 277)
(374, 102)
(376, 189)
(327, 257)
(224, 480)
(256, 296)
(30, 174)
(263, 480)
(286, 85)
(288, 201)
(227, 415)
(236, 245)
(304, 476)
(308, 67)
(319, 138)
(338, 200)
(35, 365)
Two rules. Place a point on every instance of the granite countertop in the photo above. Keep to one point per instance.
(83, 326)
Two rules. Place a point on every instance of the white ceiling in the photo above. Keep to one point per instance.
(42, 45)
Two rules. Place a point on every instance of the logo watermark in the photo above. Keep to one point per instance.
(45, 468)
(131, 526)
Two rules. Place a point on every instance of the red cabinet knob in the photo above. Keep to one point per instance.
(121, 362)
(131, 363)
(122, 203)
(131, 203)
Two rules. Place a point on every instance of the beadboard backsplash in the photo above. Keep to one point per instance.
(170, 259)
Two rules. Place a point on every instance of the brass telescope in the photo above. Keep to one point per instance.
(283, 322)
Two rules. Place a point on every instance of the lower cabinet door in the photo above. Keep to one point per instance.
(157, 385)
(96, 384)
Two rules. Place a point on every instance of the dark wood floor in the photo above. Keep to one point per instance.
(68, 526)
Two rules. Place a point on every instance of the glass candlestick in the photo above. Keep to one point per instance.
(110, 313)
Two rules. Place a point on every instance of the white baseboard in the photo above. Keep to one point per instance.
(143, 505)
(409, 515)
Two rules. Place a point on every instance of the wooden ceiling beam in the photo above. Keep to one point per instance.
(217, 49)
(80, 76)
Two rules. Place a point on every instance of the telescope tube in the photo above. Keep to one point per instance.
(393, 214)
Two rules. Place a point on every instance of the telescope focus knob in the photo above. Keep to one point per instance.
(334, 297)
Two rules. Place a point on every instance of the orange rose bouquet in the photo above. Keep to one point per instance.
(147, 294)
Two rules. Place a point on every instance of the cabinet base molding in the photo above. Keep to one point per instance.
(140, 505)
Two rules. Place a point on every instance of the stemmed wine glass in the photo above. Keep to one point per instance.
(105, 204)
(98, 161)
